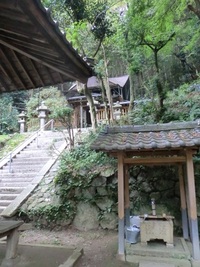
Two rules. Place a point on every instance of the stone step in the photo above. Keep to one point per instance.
(155, 264)
(2, 209)
(11, 190)
(157, 261)
(14, 184)
(25, 165)
(8, 196)
(30, 160)
(5, 203)
(27, 156)
(24, 168)
(11, 175)
(15, 180)
(40, 147)
(33, 151)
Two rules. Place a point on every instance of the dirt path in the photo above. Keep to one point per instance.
(100, 247)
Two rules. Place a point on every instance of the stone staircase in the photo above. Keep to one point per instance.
(30, 162)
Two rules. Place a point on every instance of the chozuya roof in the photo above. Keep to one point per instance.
(149, 137)
(33, 51)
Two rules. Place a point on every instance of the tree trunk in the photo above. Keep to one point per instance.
(83, 88)
(103, 93)
(132, 93)
(88, 95)
(158, 82)
(195, 9)
(107, 86)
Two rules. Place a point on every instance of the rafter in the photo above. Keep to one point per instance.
(66, 73)
(27, 42)
(7, 71)
(36, 71)
(12, 66)
(24, 70)
(3, 82)
(49, 74)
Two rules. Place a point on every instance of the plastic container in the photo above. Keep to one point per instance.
(135, 221)
(132, 234)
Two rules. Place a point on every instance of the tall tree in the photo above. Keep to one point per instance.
(147, 31)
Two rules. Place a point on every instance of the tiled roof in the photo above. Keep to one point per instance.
(148, 137)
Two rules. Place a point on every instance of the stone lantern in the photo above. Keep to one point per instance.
(117, 110)
(22, 122)
(43, 112)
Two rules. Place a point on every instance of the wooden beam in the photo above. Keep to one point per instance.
(8, 74)
(127, 196)
(36, 71)
(21, 27)
(75, 76)
(155, 153)
(121, 241)
(29, 44)
(24, 70)
(12, 66)
(183, 202)
(25, 39)
(60, 78)
(37, 17)
(156, 160)
(21, 32)
(49, 75)
(192, 206)
(3, 83)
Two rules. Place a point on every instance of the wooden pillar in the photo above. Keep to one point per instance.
(127, 196)
(121, 230)
(187, 198)
(192, 206)
(81, 115)
(183, 203)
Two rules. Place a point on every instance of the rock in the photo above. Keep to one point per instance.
(109, 221)
(86, 217)
(102, 191)
(104, 203)
(87, 194)
(99, 181)
(107, 172)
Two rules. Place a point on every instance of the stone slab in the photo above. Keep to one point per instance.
(73, 259)
(155, 264)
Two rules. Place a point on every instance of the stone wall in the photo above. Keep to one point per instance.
(97, 205)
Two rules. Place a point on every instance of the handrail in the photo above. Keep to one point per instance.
(14, 152)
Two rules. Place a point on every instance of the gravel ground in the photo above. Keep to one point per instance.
(100, 246)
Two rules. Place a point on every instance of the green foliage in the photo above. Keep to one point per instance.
(52, 98)
(8, 115)
(49, 215)
(78, 168)
(64, 115)
(182, 104)
(144, 112)
(10, 142)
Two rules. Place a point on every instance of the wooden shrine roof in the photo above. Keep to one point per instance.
(33, 51)
(169, 136)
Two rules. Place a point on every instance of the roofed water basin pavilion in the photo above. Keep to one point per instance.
(156, 145)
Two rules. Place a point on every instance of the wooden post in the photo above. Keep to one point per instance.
(81, 115)
(12, 242)
(183, 203)
(192, 206)
(187, 198)
(127, 197)
(121, 241)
